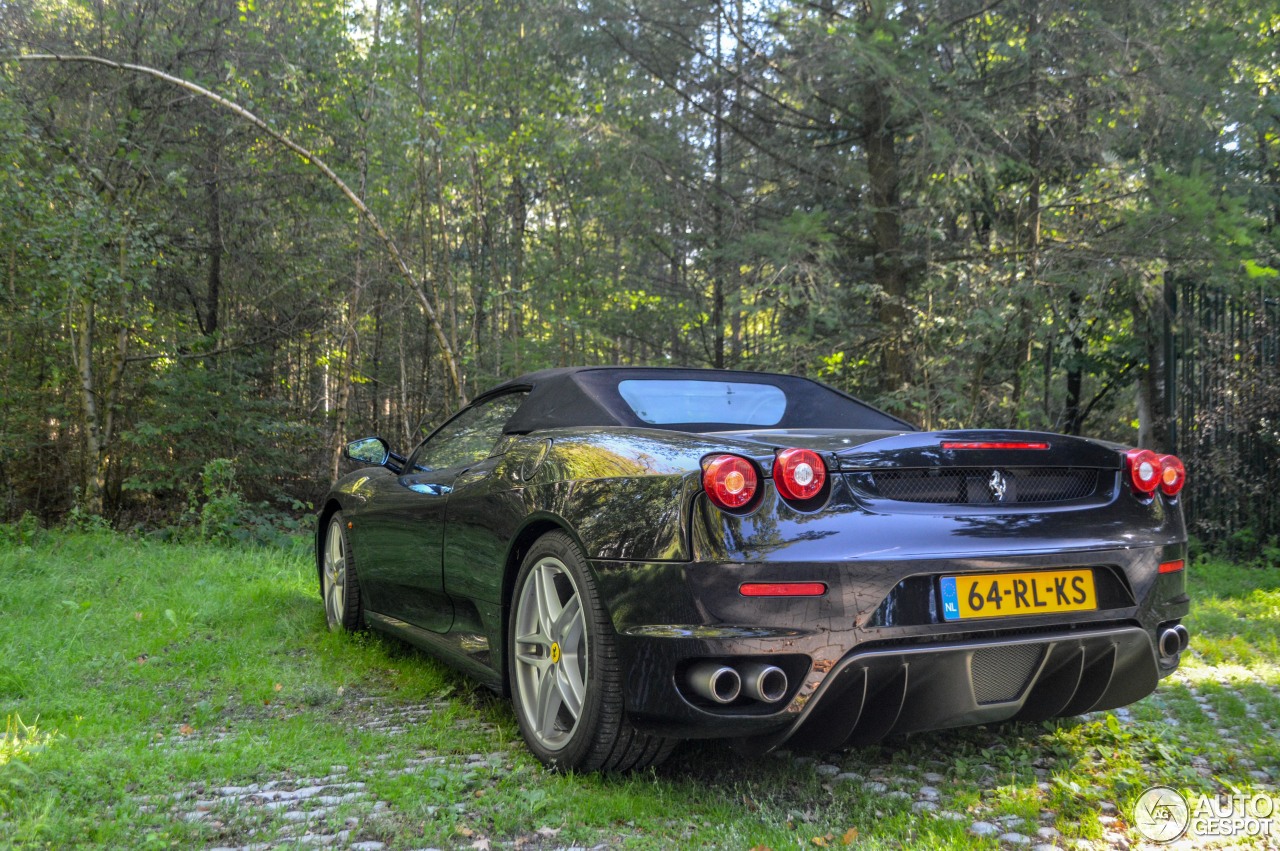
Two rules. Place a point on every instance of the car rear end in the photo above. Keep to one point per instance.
(930, 580)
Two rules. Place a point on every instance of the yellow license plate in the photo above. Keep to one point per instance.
(998, 595)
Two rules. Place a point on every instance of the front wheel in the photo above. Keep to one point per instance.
(338, 583)
(565, 676)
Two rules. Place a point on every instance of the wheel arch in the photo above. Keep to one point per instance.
(533, 528)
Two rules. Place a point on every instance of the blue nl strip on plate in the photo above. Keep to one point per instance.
(950, 601)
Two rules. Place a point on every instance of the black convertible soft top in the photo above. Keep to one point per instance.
(589, 396)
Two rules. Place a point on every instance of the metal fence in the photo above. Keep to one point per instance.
(1223, 357)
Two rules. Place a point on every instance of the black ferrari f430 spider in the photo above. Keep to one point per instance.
(643, 555)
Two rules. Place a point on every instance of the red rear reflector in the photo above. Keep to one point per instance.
(782, 589)
(991, 444)
(1172, 566)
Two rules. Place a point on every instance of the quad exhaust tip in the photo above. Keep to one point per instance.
(717, 683)
(723, 683)
(763, 682)
(1174, 640)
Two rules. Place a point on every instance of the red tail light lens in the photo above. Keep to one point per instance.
(730, 482)
(1144, 470)
(1172, 475)
(799, 474)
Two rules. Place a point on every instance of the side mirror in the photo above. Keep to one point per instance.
(372, 451)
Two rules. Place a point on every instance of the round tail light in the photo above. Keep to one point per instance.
(1144, 470)
(799, 474)
(1172, 475)
(730, 481)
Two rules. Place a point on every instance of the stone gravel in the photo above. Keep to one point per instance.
(336, 809)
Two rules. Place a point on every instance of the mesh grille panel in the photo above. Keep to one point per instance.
(981, 485)
(1000, 674)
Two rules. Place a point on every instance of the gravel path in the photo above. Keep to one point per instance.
(338, 810)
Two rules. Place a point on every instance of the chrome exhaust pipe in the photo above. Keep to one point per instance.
(1170, 642)
(763, 682)
(1184, 637)
(714, 681)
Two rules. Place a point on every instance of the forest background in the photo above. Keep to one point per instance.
(1007, 213)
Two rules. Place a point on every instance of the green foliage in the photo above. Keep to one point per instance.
(968, 218)
(217, 512)
(195, 412)
(80, 519)
(25, 533)
(1246, 545)
(224, 511)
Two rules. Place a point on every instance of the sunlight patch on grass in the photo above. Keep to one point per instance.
(1196, 673)
(1234, 624)
(22, 741)
(19, 745)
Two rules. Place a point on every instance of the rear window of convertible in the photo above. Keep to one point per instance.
(687, 400)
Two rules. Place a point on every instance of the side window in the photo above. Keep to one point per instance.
(467, 438)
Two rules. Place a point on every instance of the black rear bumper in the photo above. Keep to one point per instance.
(868, 659)
(875, 691)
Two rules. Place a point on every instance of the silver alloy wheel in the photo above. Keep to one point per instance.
(550, 653)
(335, 576)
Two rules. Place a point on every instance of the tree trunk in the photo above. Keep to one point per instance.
(717, 209)
(351, 324)
(1154, 410)
(1027, 300)
(519, 227)
(213, 288)
(92, 483)
(1073, 412)
(888, 270)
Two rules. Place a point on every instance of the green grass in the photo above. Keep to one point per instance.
(137, 678)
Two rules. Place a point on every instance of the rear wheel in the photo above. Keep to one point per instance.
(565, 676)
(338, 583)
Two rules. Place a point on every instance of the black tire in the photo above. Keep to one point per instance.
(339, 584)
(566, 681)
